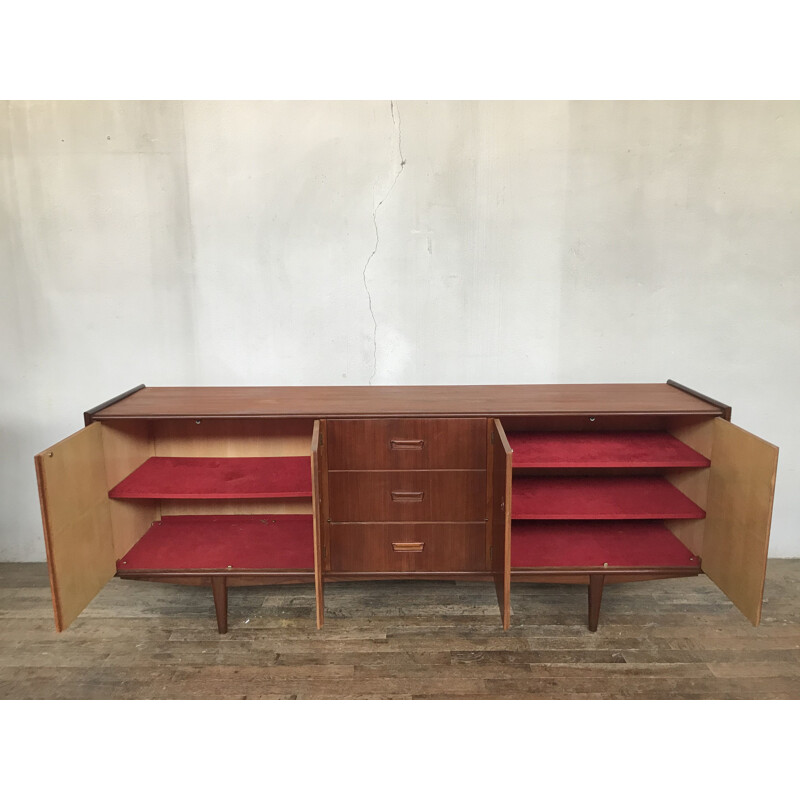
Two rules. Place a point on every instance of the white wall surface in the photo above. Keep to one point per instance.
(229, 243)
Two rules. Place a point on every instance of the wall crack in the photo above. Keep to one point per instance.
(396, 124)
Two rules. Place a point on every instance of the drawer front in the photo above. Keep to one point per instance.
(408, 548)
(406, 444)
(407, 496)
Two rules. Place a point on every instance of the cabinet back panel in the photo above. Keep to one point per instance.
(225, 438)
(616, 422)
(255, 506)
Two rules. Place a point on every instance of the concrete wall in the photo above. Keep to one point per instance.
(232, 243)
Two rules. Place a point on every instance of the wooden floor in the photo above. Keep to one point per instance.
(662, 639)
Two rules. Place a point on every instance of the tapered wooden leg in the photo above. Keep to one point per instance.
(595, 596)
(219, 586)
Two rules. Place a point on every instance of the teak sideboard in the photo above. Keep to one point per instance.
(588, 484)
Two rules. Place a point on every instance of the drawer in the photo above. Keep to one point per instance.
(408, 548)
(406, 443)
(424, 496)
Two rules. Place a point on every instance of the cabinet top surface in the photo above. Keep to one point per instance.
(406, 401)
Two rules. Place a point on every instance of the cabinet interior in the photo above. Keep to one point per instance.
(610, 494)
(188, 495)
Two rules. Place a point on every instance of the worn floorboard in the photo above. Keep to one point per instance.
(673, 639)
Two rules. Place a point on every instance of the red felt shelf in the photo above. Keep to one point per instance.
(600, 498)
(617, 449)
(224, 478)
(244, 541)
(539, 545)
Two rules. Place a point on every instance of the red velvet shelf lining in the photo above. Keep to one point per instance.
(596, 544)
(603, 449)
(196, 478)
(243, 541)
(600, 498)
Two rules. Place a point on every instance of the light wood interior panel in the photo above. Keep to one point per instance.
(736, 538)
(699, 437)
(127, 444)
(225, 438)
(76, 517)
(585, 423)
(300, 505)
(500, 520)
(693, 483)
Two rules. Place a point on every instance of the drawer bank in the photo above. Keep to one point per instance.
(588, 484)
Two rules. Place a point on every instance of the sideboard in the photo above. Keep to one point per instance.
(592, 484)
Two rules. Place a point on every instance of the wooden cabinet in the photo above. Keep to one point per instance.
(591, 484)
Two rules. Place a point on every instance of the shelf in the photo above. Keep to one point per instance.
(612, 449)
(244, 541)
(217, 478)
(600, 498)
(543, 545)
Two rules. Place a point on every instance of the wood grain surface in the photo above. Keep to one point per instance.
(127, 444)
(657, 640)
(410, 547)
(73, 494)
(408, 496)
(386, 401)
(406, 444)
(693, 483)
(741, 487)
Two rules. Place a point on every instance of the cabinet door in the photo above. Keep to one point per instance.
(317, 445)
(77, 521)
(499, 468)
(740, 489)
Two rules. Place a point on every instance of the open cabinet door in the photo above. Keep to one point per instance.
(316, 501)
(500, 516)
(741, 485)
(77, 521)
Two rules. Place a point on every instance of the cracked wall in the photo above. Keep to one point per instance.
(394, 243)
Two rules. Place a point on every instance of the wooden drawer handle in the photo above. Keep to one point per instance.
(407, 497)
(408, 547)
(406, 444)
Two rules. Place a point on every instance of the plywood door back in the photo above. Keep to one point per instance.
(77, 523)
(736, 538)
